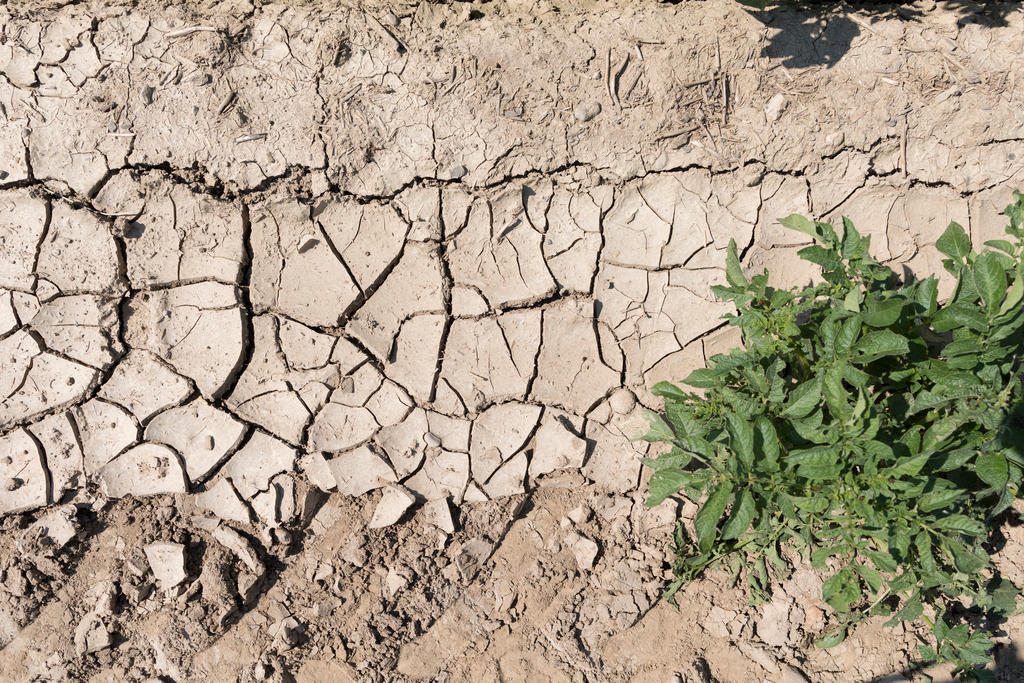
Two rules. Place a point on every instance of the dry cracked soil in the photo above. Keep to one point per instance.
(325, 328)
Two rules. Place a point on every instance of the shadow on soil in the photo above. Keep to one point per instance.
(820, 33)
(1009, 667)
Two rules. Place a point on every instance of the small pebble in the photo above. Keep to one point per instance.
(776, 105)
(454, 172)
(622, 401)
(585, 112)
(432, 440)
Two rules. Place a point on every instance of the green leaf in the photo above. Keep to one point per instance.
(797, 222)
(961, 347)
(733, 271)
(936, 500)
(990, 279)
(882, 313)
(1015, 212)
(909, 466)
(832, 638)
(741, 440)
(841, 589)
(927, 296)
(965, 560)
(954, 242)
(878, 344)
(658, 429)
(853, 244)
(992, 469)
(847, 335)
(835, 393)
(939, 432)
(668, 391)
(766, 440)
(959, 315)
(665, 483)
(803, 399)
(1004, 597)
(741, 516)
(813, 505)
(677, 458)
(706, 521)
(883, 561)
(852, 300)
(816, 455)
(826, 258)
(960, 524)
(871, 577)
(1001, 245)
(821, 554)
(910, 611)
(703, 378)
(1013, 297)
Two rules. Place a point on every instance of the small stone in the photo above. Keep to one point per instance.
(438, 513)
(91, 635)
(586, 111)
(583, 549)
(454, 172)
(248, 586)
(317, 471)
(431, 440)
(776, 105)
(579, 514)
(474, 494)
(395, 581)
(167, 560)
(392, 506)
(236, 543)
(59, 525)
(622, 401)
(286, 633)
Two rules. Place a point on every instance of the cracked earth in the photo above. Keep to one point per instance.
(324, 333)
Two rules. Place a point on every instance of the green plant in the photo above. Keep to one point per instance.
(874, 430)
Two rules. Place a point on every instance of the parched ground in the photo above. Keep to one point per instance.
(324, 329)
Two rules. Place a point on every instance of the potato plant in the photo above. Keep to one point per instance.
(876, 431)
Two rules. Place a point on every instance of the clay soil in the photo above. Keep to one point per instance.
(325, 328)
